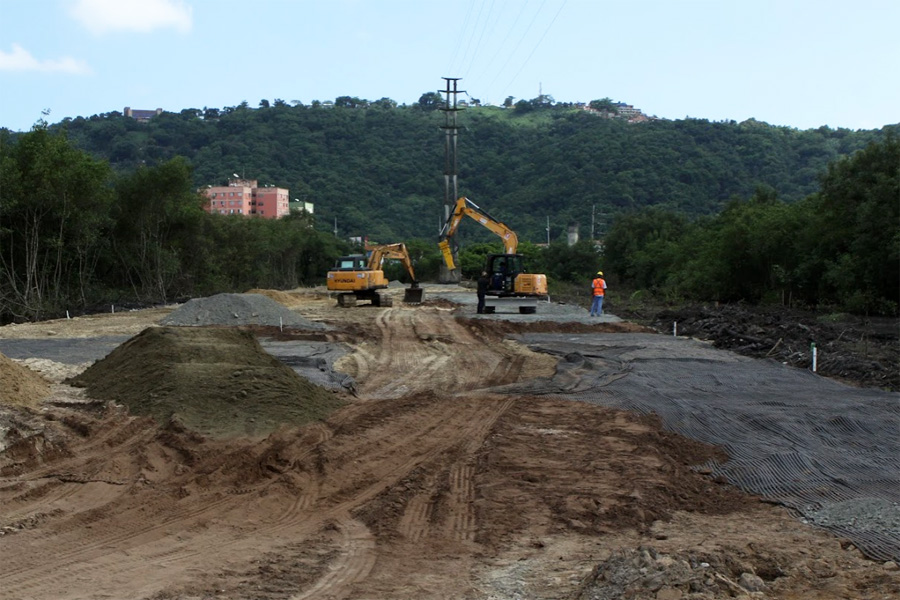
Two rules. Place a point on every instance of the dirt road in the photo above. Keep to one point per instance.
(431, 482)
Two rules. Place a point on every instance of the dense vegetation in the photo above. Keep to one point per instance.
(376, 169)
(839, 247)
(106, 210)
(74, 234)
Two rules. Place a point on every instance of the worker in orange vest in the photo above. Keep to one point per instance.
(599, 289)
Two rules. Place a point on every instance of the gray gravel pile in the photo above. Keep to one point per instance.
(237, 309)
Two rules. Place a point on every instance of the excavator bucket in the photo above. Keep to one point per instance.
(413, 295)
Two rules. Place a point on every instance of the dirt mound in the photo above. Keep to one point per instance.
(20, 386)
(237, 309)
(216, 381)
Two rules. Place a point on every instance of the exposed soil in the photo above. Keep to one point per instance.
(427, 483)
(19, 385)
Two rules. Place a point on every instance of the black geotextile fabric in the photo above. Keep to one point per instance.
(829, 451)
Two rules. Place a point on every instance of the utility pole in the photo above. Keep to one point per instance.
(548, 230)
(451, 166)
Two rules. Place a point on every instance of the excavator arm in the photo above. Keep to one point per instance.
(467, 208)
(395, 251)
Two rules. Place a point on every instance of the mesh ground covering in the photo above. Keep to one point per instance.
(829, 451)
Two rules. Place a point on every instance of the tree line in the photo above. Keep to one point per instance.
(78, 230)
(75, 235)
(837, 248)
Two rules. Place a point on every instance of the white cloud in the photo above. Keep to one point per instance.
(21, 59)
(142, 16)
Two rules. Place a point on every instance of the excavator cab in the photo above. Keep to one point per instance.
(353, 262)
(502, 270)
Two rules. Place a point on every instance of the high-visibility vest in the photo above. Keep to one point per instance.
(599, 285)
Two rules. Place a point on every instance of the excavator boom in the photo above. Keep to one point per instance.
(466, 208)
(395, 251)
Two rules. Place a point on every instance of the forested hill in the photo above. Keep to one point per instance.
(376, 169)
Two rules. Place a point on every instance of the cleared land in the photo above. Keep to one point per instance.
(442, 459)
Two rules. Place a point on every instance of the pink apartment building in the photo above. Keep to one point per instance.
(245, 197)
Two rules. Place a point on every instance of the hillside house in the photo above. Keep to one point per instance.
(141, 115)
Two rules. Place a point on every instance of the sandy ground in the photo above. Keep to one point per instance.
(429, 483)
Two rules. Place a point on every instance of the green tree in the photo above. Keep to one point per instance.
(157, 215)
(855, 241)
(54, 211)
(430, 101)
(604, 105)
(641, 248)
(576, 264)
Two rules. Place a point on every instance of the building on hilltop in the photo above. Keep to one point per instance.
(621, 110)
(141, 115)
(245, 197)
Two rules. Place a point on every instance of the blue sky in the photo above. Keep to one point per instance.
(801, 63)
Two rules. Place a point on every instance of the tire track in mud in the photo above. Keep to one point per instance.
(108, 537)
(416, 354)
(439, 433)
(354, 563)
(415, 522)
(62, 482)
(462, 480)
(462, 498)
(427, 350)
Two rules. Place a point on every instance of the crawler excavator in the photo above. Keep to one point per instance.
(356, 277)
(509, 281)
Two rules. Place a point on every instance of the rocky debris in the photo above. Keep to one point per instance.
(237, 309)
(645, 574)
(861, 351)
(877, 513)
(215, 381)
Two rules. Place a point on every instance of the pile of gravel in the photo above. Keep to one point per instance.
(237, 309)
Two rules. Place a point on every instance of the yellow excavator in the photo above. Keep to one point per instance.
(509, 279)
(358, 277)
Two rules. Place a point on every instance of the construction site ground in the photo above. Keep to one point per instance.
(424, 451)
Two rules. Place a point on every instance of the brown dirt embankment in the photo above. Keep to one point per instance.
(20, 386)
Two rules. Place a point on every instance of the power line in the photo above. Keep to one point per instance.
(516, 48)
(486, 69)
(480, 25)
(459, 38)
(484, 28)
(537, 44)
(472, 36)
